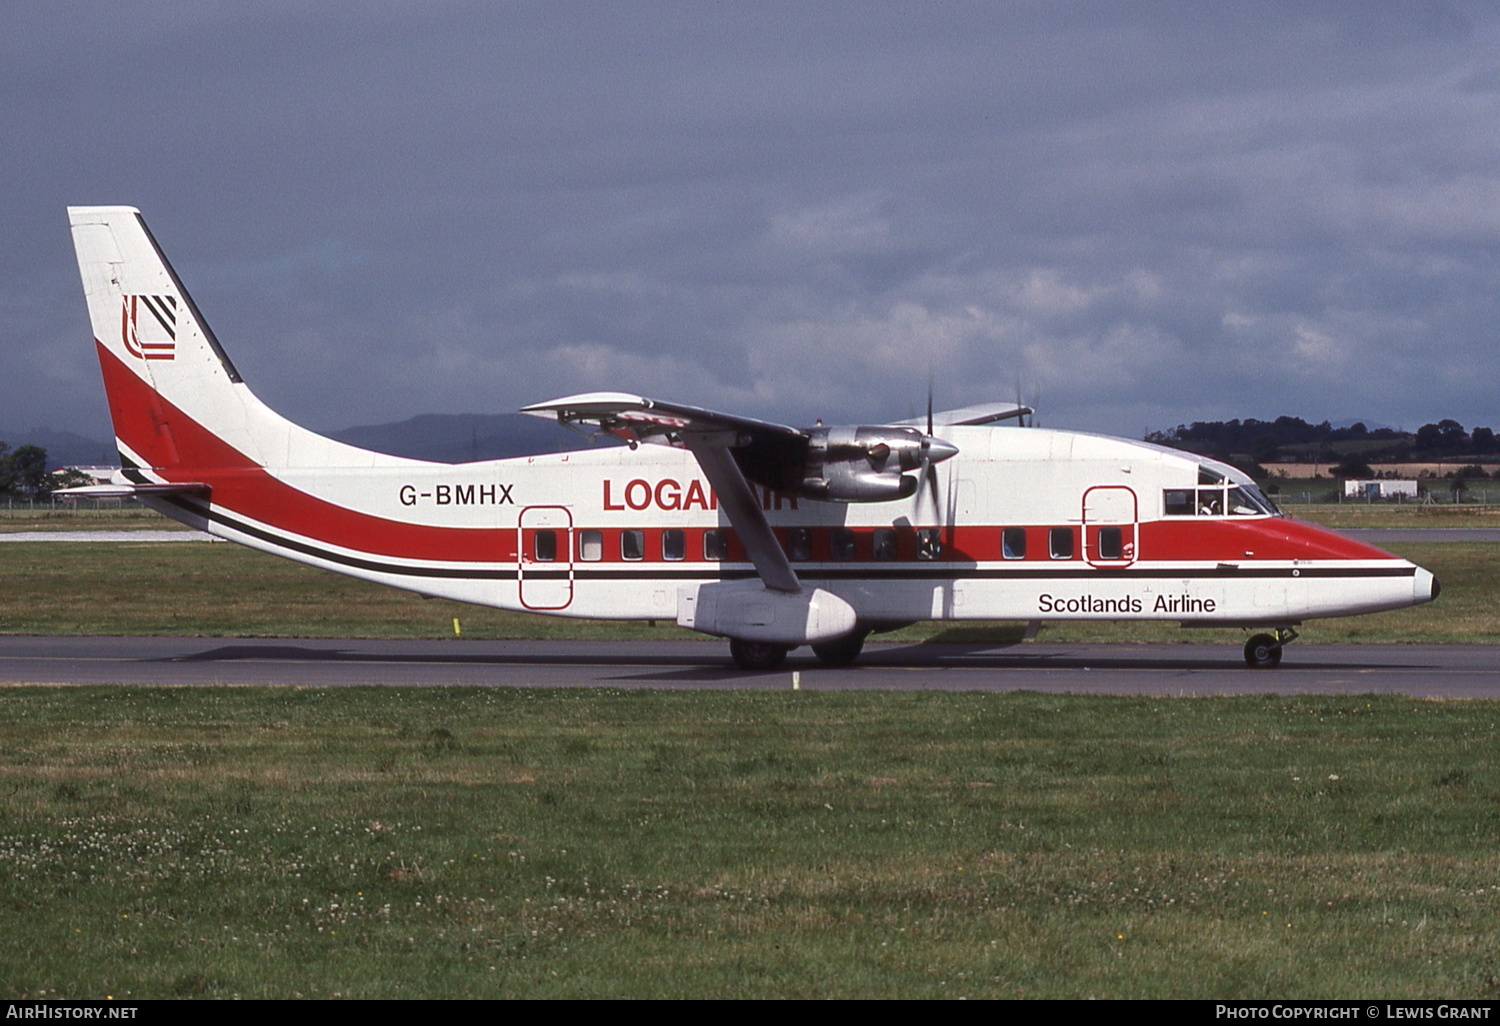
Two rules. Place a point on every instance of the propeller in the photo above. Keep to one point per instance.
(934, 450)
(1021, 420)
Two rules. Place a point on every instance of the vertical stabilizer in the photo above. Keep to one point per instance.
(178, 404)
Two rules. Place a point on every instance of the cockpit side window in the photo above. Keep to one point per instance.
(1177, 502)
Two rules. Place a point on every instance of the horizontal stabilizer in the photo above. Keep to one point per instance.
(130, 491)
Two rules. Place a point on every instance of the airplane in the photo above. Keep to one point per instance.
(769, 535)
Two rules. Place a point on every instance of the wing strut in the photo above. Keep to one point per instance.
(739, 503)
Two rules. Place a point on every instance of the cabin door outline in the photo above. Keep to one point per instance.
(1111, 518)
(545, 584)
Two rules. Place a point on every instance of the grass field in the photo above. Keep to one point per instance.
(121, 518)
(504, 843)
(220, 589)
(1355, 514)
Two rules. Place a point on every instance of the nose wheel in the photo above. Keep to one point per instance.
(1263, 651)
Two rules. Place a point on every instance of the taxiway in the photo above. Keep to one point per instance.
(1446, 671)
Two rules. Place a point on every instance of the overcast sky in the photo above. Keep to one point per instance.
(1136, 214)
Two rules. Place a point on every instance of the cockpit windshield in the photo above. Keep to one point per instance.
(1248, 500)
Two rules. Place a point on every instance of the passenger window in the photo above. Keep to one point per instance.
(1177, 502)
(713, 545)
(799, 544)
(673, 544)
(885, 543)
(1111, 542)
(544, 546)
(590, 546)
(632, 544)
(1060, 542)
(841, 543)
(1013, 543)
(929, 543)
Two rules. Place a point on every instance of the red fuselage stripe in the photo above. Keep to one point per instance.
(181, 450)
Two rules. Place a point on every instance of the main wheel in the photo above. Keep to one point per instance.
(840, 651)
(757, 655)
(1262, 652)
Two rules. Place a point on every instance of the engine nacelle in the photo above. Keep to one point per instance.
(867, 464)
(750, 611)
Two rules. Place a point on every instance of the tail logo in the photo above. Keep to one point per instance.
(154, 336)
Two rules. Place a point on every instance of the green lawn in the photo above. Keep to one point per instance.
(506, 843)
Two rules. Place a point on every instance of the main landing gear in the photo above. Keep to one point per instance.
(1263, 651)
(763, 656)
(840, 651)
(757, 655)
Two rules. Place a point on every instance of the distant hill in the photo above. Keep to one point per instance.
(65, 448)
(440, 437)
(463, 437)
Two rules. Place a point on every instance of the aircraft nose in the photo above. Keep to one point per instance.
(938, 450)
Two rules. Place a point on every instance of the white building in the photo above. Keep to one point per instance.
(1372, 490)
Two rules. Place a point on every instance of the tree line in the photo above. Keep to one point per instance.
(1267, 440)
(24, 473)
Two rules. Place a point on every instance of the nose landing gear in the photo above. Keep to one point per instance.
(1263, 651)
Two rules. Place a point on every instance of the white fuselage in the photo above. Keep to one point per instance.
(616, 533)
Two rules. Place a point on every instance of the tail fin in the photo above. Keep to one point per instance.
(178, 404)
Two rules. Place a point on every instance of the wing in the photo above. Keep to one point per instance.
(731, 450)
(635, 418)
(969, 416)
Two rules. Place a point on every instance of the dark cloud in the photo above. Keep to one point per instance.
(1140, 213)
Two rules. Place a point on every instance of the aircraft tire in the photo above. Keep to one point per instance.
(759, 656)
(1262, 652)
(840, 651)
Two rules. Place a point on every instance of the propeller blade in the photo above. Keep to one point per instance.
(929, 399)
